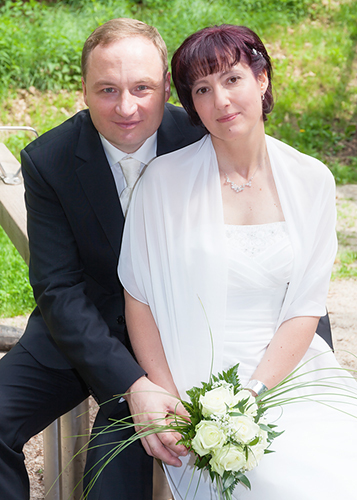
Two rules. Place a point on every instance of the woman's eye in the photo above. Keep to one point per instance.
(202, 90)
(233, 79)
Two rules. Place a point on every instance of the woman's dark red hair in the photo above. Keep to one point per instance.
(216, 49)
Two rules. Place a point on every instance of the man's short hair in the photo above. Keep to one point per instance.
(117, 29)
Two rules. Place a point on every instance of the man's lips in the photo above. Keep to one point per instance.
(227, 118)
(127, 125)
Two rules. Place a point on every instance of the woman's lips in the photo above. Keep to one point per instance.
(227, 118)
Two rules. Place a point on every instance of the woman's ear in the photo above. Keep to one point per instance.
(263, 81)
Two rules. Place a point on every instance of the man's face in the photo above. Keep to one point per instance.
(125, 91)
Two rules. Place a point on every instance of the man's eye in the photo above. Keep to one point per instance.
(108, 90)
(140, 88)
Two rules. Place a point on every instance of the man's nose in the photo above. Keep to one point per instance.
(126, 105)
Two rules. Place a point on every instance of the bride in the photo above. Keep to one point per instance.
(245, 226)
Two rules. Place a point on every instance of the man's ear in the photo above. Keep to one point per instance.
(167, 86)
(84, 89)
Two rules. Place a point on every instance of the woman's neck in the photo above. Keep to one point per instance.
(242, 156)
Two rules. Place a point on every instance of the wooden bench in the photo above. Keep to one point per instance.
(67, 435)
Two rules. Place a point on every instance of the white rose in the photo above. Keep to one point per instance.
(216, 401)
(208, 437)
(252, 407)
(245, 428)
(229, 458)
(256, 452)
(263, 438)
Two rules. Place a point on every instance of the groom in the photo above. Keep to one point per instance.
(77, 192)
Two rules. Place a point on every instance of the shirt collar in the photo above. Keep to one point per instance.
(144, 154)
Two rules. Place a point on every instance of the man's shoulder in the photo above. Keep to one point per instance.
(176, 130)
(65, 133)
(180, 116)
(176, 111)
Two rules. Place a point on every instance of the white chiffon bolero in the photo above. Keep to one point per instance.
(174, 255)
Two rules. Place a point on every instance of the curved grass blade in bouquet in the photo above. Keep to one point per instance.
(330, 386)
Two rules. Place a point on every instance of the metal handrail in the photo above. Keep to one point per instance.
(7, 178)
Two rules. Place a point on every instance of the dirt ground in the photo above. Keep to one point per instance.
(341, 304)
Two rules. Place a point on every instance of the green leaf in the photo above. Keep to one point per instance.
(244, 480)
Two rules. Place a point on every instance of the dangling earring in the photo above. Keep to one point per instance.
(263, 97)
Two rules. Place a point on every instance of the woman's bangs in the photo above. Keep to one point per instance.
(210, 58)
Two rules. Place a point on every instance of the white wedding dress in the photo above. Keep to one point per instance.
(316, 457)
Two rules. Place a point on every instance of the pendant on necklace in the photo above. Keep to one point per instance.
(235, 186)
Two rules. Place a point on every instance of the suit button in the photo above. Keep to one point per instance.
(121, 320)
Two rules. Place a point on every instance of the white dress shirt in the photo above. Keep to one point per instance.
(114, 155)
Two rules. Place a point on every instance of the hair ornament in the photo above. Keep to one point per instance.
(256, 52)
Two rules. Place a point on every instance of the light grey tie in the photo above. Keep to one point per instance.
(131, 171)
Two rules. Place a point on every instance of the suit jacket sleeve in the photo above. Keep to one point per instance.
(71, 289)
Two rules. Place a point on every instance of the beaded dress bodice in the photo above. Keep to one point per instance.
(259, 267)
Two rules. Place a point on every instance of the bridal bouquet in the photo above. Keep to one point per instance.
(226, 430)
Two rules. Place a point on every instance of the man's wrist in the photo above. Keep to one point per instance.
(137, 386)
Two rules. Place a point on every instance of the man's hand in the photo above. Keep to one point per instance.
(149, 402)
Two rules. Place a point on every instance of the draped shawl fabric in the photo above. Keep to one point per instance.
(173, 255)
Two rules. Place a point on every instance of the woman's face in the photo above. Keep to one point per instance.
(229, 103)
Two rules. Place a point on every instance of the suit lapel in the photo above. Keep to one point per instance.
(97, 180)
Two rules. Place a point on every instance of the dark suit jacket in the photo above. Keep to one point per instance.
(75, 225)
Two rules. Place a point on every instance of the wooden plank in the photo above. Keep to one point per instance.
(9, 336)
(12, 206)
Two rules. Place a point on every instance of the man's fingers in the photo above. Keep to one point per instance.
(155, 448)
(151, 406)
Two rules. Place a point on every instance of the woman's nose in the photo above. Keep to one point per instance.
(221, 98)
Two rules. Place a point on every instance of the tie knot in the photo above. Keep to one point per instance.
(131, 170)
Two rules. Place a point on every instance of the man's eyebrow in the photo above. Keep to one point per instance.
(145, 80)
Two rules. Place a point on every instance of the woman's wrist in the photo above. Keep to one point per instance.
(256, 387)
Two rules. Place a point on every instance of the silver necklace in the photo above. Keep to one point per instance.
(240, 188)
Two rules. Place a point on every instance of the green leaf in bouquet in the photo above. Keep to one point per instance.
(254, 441)
(266, 427)
(201, 462)
(242, 478)
(194, 394)
(230, 376)
(241, 406)
(274, 434)
(228, 481)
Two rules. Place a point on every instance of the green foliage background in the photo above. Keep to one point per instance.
(312, 44)
(41, 42)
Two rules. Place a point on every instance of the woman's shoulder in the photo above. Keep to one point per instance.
(296, 162)
(176, 161)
